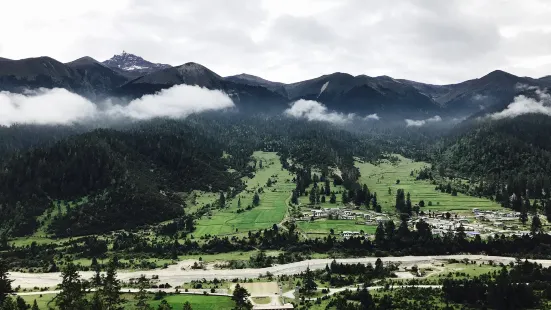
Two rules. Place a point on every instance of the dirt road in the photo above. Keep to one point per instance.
(175, 276)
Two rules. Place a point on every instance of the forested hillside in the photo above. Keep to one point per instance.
(503, 148)
(110, 179)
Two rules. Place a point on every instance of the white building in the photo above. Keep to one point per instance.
(348, 234)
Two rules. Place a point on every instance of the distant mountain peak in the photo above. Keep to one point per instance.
(86, 60)
(133, 63)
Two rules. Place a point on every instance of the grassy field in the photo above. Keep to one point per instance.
(198, 302)
(461, 270)
(379, 178)
(272, 208)
(324, 226)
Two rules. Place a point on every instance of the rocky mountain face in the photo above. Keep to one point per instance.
(132, 65)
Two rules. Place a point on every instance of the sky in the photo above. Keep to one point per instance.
(433, 41)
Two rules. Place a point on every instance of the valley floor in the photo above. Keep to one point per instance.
(175, 276)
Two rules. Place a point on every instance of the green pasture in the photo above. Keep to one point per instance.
(272, 208)
(379, 178)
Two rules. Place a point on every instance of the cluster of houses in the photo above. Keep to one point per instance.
(344, 214)
(504, 220)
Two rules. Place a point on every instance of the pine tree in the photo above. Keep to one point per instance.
(344, 197)
(164, 305)
(5, 282)
(308, 281)
(256, 200)
(141, 296)
(187, 306)
(333, 198)
(35, 306)
(72, 294)
(222, 200)
(327, 188)
(241, 298)
(535, 227)
(110, 291)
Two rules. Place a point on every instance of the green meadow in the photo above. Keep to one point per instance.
(272, 208)
(379, 178)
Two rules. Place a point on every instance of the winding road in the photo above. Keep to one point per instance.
(175, 275)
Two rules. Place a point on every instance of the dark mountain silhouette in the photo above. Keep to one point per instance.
(245, 96)
(102, 78)
(258, 81)
(478, 94)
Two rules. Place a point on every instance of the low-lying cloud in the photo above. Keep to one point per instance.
(526, 105)
(419, 123)
(373, 116)
(315, 111)
(59, 106)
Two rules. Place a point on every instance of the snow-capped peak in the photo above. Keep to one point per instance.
(130, 62)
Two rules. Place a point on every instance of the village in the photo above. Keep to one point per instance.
(480, 222)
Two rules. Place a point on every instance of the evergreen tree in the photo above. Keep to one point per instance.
(536, 225)
(110, 291)
(97, 303)
(241, 298)
(327, 187)
(239, 202)
(21, 304)
(333, 198)
(523, 216)
(313, 196)
(408, 208)
(256, 200)
(380, 235)
(345, 197)
(294, 197)
(222, 200)
(35, 306)
(72, 294)
(308, 282)
(164, 305)
(5, 282)
(187, 306)
(400, 201)
(141, 296)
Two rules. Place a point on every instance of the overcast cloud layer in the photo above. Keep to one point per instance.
(289, 40)
(59, 106)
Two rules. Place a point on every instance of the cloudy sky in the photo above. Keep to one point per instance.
(433, 41)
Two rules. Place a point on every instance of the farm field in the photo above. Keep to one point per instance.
(379, 178)
(324, 226)
(272, 208)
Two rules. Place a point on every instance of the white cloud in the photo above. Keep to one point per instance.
(525, 105)
(315, 111)
(372, 117)
(44, 106)
(59, 106)
(446, 41)
(419, 123)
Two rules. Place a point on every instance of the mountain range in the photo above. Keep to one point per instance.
(131, 76)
